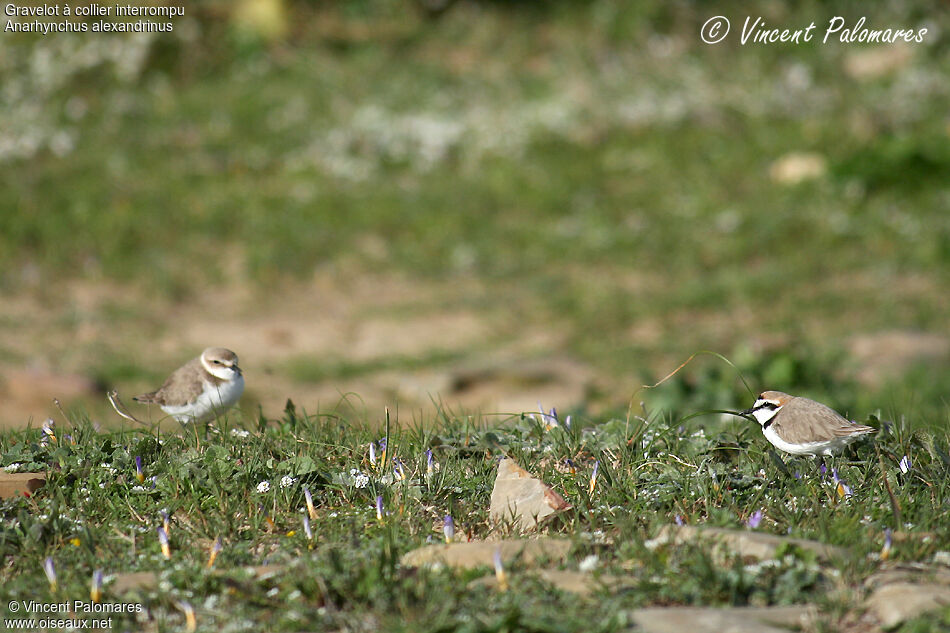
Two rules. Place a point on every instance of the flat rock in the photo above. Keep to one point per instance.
(130, 581)
(908, 572)
(865, 64)
(727, 620)
(522, 499)
(578, 582)
(741, 542)
(797, 167)
(482, 553)
(898, 602)
(16, 484)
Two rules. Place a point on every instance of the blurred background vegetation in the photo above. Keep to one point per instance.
(481, 202)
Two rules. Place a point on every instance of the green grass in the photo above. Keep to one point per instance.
(586, 170)
(94, 514)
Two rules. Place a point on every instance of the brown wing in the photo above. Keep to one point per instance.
(814, 422)
(183, 386)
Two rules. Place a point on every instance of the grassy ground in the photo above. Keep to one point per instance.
(376, 196)
(94, 514)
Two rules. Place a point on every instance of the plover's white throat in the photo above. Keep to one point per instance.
(803, 427)
(202, 389)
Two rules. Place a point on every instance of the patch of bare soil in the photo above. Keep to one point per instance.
(57, 344)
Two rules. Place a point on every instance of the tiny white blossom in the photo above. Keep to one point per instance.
(12, 468)
(286, 481)
(241, 433)
(263, 487)
(589, 564)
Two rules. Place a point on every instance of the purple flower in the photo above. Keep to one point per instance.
(309, 499)
(398, 471)
(904, 464)
(888, 542)
(163, 541)
(822, 470)
(754, 520)
(448, 528)
(50, 570)
(216, 548)
(379, 508)
(593, 477)
(95, 589)
(843, 490)
(306, 527)
(500, 571)
(138, 469)
(678, 520)
(430, 466)
(550, 420)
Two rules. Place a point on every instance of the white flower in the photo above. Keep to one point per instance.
(263, 487)
(286, 481)
(589, 564)
(12, 468)
(358, 479)
(241, 433)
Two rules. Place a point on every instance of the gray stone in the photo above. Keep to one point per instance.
(726, 620)
(482, 553)
(898, 602)
(743, 543)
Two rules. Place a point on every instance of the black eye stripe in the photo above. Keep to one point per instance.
(768, 405)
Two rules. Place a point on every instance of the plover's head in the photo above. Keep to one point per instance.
(767, 405)
(221, 363)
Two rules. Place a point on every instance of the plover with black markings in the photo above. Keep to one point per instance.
(202, 389)
(803, 427)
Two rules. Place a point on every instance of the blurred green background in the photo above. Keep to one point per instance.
(484, 203)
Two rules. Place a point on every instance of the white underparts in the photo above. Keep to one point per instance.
(212, 402)
(809, 448)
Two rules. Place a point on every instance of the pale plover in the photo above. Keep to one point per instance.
(202, 389)
(803, 427)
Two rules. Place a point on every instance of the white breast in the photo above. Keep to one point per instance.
(213, 401)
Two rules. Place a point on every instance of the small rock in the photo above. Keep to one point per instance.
(730, 620)
(877, 62)
(797, 167)
(519, 497)
(741, 542)
(573, 581)
(898, 602)
(482, 553)
(16, 484)
(133, 580)
(891, 573)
